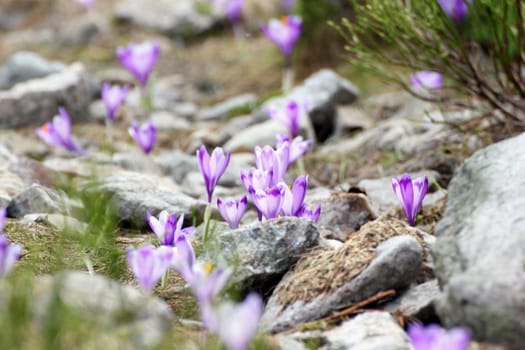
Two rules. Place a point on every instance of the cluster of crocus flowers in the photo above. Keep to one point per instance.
(144, 135)
(59, 133)
(434, 337)
(410, 193)
(9, 252)
(457, 10)
(426, 80)
(139, 59)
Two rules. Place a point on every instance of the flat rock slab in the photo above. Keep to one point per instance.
(479, 254)
(379, 257)
(262, 252)
(36, 101)
(133, 194)
(122, 314)
(416, 302)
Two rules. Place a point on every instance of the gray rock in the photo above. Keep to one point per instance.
(40, 199)
(322, 92)
(261, 134)
(479, 253)
(368, 331)
(58, 221)
(177, 164)
(416, 302)
(264, 250)
(226, 108)
(179, 17)
(81, 31)
(167, 121)
(134, 194)
(382, 197)
(351, 120)
(335, 279)
(342, 214)
(26, 65)
(121, 314)
(10, 185)
(36, 101)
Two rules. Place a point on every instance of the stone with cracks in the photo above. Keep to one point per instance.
(479, 255)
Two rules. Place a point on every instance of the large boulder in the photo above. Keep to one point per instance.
(479, 254)
(26, 65)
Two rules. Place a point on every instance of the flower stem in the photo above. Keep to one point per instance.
(207, 219)
(164, 280)
(288, 75)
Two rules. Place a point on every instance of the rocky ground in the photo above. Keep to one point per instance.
(353, 280)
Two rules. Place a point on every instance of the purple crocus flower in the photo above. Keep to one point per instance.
(293, 198)
(232, 210)
(257, 178)
(234, 10)
(3, 215)
(410, 194)
(237, 324)
(426, 79)
(307, 212)
(184, 258)
(58, 132)
(433, 337)
(212, 167)
(455, 9)
(113, 96)
(207, 282)
(268, 202)
(9, 255)
(148, 264)
(145, 135)
(290, 116)
(167, 228)
(284, 33)
(139, 59)
(297, 147)
(276, 161)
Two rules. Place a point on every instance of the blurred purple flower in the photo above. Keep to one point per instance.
(427, 80)
(284, 33)
(276, 161)
(410, 194)
(212, 167)
(293, 198)
(113, 96)
(297, 147)
(145, 135)
(58, 132)
(257, 178)
(232, 210)
(267, 201)
(148, 264)
(237, 323)
(86, 3)
(184, 258)
(3, 215)
(455, 9)
(139, 59)
(207, 282)
(234, 10)
(433, 337)
(167, 228)
(9, 255)
(290, 116)
(307, 212)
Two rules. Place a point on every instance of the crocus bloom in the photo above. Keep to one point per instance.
(237, 324)
(433, 337)
(183, 258)
(9, 254)
(3, 215)
(58, 132)
(167, 228)
(148, 264)
(297, 147)
(207, 282)
(290, 116)
(410, 194)
(145, 135)
(232, 210)
(86, 3)
(267, 159)
(293, 198)
(139, 59)
(234, 10)
(455, 9)
(212, 167)
(284, 33)
(256, 178)
(113, 96)
(427, 80)
(268, 201)
(307, 212)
